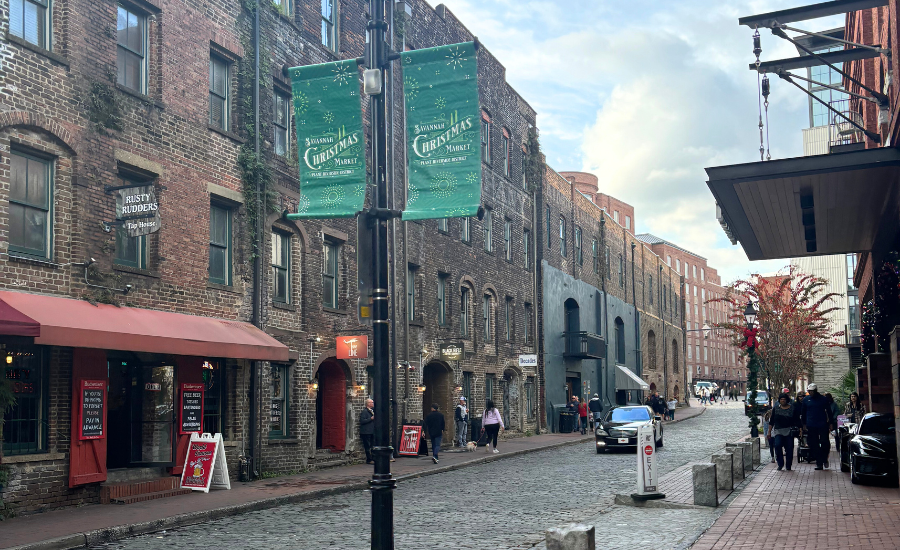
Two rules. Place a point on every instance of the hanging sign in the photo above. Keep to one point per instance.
(204, 465)
(330, 141)
(452, 351)
(191, 418)
(443, 131)
(352, 347)
(92, 411)
(409, 443)
(137, 210)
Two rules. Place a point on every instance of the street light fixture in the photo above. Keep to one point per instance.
(750, 316)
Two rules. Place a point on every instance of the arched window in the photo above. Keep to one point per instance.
(675, 362)
(620, 341)
(651, 350)
(573, 321)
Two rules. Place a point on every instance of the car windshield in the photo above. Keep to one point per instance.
(635, 414)
(881, 424)
(704, 384)
(762, 397)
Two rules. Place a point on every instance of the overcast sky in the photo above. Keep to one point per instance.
(646, 94)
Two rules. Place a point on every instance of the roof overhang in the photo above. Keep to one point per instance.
(807, 206)
(627, 380)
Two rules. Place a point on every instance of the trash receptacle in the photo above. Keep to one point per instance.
(566, 422)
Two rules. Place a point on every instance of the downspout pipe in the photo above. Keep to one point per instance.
(604, 273)
(255, 366)
(665, 342)
(637, 322)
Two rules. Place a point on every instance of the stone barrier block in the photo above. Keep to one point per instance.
(574, 536)
(737, 463)
(748, 456)
(756, 450)
(724, 475)
(706, 492)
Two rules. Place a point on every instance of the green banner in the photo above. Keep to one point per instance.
(443, 132)
(330, 140)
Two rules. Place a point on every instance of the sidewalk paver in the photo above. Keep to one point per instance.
(806, 509)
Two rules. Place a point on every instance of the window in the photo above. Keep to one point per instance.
(488, 226)
(25, 424)
(528, 321)
(669, 261)
(218, 93)
(131, 51)
(485, 141)
(526, 248)
(464, 312)
(594, 253)
(695, 291)
(650, 288)
(465, 234)
(284, 6)
(442, 299)
(411, 294)
(30, 191)
(627, 222)
(509, 319)
(329, 17)
(620, 341)
(130, 251)
(330, 275)
(677, 265)
(622, 271)
(219, 245)
(524, 170)
(213, 397)
(278, 416)
(489, 386)
(281, 267)
(608, 263)
(851, 269)
(549, 231)
(579, 257)
(443, 225)
(30, 21)
(616, 216)
(507, 240)
(504, 143)
(703, 294)
(562, 236)
(282, 123)
(690, 353)
(486, 318)
(702, 274)
(705, 353)
(467, 387)
(529, 398)
(853, 311)
(695, 271)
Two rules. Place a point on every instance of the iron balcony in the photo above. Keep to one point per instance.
(584, 345)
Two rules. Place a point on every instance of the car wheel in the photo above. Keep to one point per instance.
(854, 479)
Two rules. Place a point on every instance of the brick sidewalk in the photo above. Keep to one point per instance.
(805, 509)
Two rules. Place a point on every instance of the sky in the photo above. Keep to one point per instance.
(646, 94)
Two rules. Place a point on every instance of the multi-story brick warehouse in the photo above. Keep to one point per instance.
(710, 354)
(610, 312)
(159, 94)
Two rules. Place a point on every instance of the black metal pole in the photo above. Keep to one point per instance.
(382, 483)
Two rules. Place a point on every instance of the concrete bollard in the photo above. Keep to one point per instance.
(756, 450)
(737, 462)
(724, 476)
(574, 536)
(706, 492)
(748, 456)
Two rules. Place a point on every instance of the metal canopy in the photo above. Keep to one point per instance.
(813, 11)
(627, 380)
(840, 56)
(850, 195)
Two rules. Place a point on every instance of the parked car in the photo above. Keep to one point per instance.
(873, 451)
(618, 427)
(762, 402)
(845, 434)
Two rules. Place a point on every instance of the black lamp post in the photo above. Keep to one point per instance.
(753, 366)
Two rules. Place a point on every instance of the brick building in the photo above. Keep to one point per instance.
(710, 355)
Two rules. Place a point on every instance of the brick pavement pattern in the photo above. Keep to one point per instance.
(803, 509)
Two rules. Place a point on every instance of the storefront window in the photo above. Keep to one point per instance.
(25, 424)
(278, 408)
(214, 397)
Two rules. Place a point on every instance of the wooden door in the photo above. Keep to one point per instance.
(87, 457)
(333, 391)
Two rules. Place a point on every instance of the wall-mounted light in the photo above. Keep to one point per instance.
(314, 384)
(422, 389)
(361, 387)
(459, 388)
(9, 360)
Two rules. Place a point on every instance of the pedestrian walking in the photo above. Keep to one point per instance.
(782, 426)
(815, 414)
(835, 411)
(770, 439)
(434, 425)
(596, 407)
(583, 416)
(854, 410)
(671, 405)
(575, 406)
(491, 423)
(461, 417)
(367, 428)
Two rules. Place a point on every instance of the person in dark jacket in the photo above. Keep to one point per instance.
(461, 418)
(572, 407)
(835, 411)
(815, 413)
(367, 428)
(596, 407)
(782, 419)
(434, 425)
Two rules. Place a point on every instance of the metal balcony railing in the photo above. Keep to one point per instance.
(584, 345)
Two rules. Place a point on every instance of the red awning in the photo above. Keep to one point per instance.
(15, 323)
(76, 323)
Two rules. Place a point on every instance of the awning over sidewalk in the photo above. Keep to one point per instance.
(808, 206)
(627, 380)
(77, 323)
(14, 323)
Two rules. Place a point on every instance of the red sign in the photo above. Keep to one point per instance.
(191, 408)
(352, 347)
(198, 466)
(409, 443)
(92, 409)
(648, 450)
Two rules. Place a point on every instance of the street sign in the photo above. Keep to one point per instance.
(352, 347)
(452, 351)
(647, 476)
(529, 360)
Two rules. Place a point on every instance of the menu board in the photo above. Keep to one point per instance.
(204, 465)
(191, 408)
(409, 443)
(93, 405)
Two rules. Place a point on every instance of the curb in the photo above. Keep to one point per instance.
(110, 534)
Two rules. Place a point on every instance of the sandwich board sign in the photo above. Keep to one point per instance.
(409, 443)
(204, 465)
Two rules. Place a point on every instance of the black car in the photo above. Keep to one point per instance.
(618, 427)
(873, 451)
(762, 402)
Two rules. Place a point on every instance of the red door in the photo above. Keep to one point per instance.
(87, 457)
(190, 369)
(332, 400)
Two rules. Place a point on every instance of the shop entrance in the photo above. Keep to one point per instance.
(141, 414)
(573, 386)
(330, 407)
(510, 387)
(436, 379)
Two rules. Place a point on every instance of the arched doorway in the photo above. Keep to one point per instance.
(331, 399)
(677, 395)
(436, 378)
(510, 388)
(652, 387)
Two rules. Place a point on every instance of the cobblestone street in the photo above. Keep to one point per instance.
(504, 504)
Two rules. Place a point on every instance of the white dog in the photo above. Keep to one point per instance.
(471, 446)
